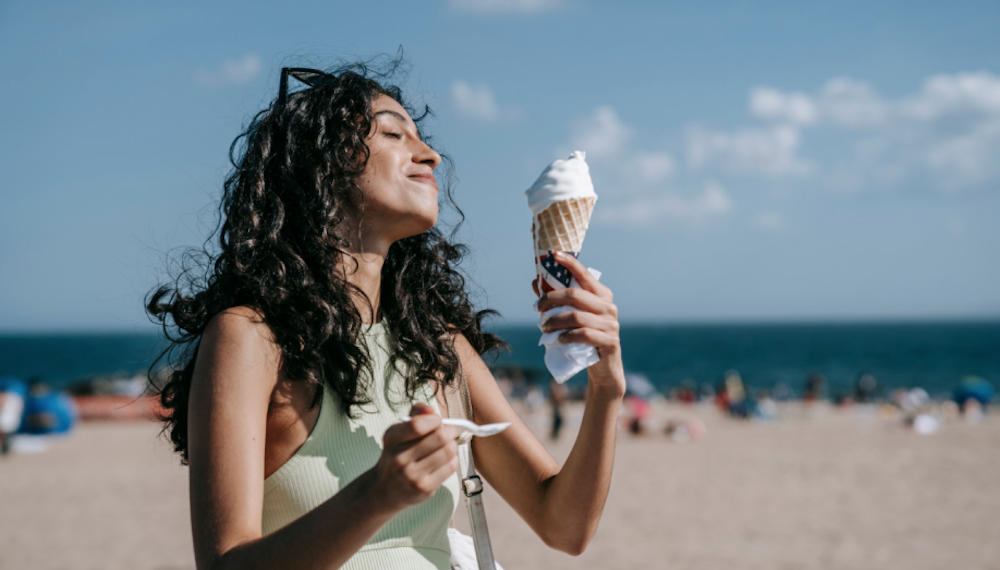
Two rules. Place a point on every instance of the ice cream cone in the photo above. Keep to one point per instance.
(563, 225)
(561, 199)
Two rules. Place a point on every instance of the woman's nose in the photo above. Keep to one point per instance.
(427, 155)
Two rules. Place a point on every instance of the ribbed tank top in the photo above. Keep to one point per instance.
(339, 449)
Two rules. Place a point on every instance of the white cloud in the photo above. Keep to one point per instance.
(841, 101)
(968, 159)
(602, 134)
(475, 102)
(946, 135)
(963, 93)
(230, 73)
(666, 206)
(771, 104)
(769, 151)
(654, 166)
(845, 102)
(507, 6)
(949, 130)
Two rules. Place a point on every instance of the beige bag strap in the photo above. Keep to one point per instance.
(459, 405)
(457, 399)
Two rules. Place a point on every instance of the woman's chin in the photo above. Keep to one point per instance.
(429, 222)
(429, 217)
(419, 224)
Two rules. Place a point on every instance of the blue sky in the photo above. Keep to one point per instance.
(777, 162)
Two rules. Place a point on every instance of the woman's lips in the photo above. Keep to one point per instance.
(425, 178)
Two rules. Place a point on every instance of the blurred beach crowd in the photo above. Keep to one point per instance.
(971, 402)
(31, 410)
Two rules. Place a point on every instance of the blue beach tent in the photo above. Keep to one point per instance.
(47, 412)
(973, 388)
(15, 385)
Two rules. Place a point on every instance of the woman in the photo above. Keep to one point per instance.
(332, 309)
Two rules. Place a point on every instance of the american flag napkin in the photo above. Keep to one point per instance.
(564, 360)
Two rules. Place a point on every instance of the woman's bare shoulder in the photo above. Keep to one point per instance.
(240, 338)
(241, 324)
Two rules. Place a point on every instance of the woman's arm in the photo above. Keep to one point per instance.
(562, 505)
(237, 369)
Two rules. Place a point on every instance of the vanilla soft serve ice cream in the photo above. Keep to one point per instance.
(562, 200)
(561, 180)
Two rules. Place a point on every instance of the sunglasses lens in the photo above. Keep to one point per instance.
(311, 77)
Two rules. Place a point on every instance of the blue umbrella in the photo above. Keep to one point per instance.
(973, 388)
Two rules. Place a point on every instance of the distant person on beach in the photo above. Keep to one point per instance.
(814, 388)
(558, 394)
(732, 396)
(13, 392)
(686, 392)
(638, 411)
(865, 388)
(332, 308)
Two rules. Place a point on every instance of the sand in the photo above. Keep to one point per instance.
(819, 488)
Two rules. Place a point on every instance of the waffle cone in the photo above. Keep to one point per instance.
(563, 225)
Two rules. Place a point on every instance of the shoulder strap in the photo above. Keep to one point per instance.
(457, 402)
(459, 405)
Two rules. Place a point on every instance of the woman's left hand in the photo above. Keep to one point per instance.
(595, 322)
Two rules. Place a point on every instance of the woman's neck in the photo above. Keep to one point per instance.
(363, 269)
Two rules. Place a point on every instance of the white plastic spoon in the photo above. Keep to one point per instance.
(484, 430)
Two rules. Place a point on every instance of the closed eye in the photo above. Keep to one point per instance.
(391, 120)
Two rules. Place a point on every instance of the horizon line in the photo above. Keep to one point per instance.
(762, 321)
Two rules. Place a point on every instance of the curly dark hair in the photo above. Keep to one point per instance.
(282, 236)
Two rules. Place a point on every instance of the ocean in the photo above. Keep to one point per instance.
(934, 356)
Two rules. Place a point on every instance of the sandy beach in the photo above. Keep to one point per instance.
(819, 488)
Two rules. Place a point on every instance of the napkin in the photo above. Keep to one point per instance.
(565, 360)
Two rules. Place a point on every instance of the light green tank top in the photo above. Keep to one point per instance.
(339, 449)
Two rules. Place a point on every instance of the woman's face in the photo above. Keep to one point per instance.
(400, 191)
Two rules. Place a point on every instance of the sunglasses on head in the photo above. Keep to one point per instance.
(311, 77)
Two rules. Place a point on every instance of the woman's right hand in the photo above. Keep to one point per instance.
(417, 457)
